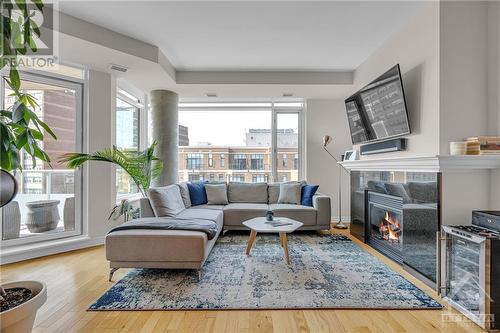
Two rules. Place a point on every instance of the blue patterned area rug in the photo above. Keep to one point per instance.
(326, 272)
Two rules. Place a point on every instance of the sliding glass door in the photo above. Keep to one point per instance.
(49, 201)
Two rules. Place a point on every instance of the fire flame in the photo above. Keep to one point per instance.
(389, 228)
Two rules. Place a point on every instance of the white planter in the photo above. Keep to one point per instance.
(21, 318)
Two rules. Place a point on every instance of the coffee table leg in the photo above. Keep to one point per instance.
(251, 240)
(284, 243)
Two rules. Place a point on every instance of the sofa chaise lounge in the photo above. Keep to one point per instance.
(185, 249)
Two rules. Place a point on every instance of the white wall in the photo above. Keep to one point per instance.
(100, 193)
(416, 49)
(463, 71)
(328, 116)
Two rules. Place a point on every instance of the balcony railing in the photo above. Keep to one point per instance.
(41, 190)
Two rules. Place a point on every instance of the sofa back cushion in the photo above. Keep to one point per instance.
(216, 194)
(290, 193)
(273, 193)
(183, 187)
(197, 193)
(166, 201)
(247, 192)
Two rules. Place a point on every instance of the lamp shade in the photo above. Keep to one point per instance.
(326, 140)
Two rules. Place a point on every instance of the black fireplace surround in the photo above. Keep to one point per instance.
(398, 213)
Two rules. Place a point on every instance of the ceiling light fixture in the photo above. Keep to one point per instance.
(211, 94)
(287, 94)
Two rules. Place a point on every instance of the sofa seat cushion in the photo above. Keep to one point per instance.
(156, 246)
(237, 213)
(207, 206)
(304, 214)
(207, 214)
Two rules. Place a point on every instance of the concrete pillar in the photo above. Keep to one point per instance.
(165, 119)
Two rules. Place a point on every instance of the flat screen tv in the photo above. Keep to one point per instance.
(378, 111)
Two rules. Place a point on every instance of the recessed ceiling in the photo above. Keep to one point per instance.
(258, 35)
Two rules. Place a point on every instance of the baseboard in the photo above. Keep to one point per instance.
(345, 219)
(31, 251)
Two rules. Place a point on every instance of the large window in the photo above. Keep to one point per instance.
(245, 142)
(48, 203)
(127, 137)
(194, 161)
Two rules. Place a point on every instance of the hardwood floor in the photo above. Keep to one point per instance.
(76, 279)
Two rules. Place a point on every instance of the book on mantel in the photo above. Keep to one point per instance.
(488, 145)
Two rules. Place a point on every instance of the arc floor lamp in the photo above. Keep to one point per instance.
(326, 141)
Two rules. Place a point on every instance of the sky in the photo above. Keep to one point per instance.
(227, 128)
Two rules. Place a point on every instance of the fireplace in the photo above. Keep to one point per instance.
(385, 224)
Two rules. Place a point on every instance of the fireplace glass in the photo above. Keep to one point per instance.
(386, 226)
(385, 215)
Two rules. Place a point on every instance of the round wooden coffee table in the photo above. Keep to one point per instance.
(260, 224)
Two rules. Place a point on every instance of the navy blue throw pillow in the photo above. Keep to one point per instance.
(307, 194)
(197, 193)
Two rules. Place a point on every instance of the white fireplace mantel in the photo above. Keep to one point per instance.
(439, 163)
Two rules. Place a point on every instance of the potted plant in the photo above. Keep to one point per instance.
(21, 130)
(141, 166)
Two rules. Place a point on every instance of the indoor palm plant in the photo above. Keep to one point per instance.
(21, 131)
(142, 167)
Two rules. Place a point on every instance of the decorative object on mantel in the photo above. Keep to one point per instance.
(488, 145)
(350, 155)
(458, 148)
(326, 141)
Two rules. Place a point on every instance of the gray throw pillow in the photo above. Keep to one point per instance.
(216, 194)
(166, 201)
(290, 193)
(183, 187)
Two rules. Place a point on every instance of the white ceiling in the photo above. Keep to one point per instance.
(258, 35)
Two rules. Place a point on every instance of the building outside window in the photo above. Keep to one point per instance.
(285, 160)
(221, 177)
(296, 161)
(194, 178)
(222, 161)
(239, 162)
(237, 178)
(212, 177)
(210, 160)
(194, 161)
(257, 162)
(259, 179)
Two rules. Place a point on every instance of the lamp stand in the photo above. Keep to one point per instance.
(340, 224)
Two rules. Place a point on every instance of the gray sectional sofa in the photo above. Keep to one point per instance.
(185, 249)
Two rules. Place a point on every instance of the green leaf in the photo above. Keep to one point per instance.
(15, 81)
(46, 128)
(19, 111)
(36, 135)
(22, 140)
(39, 4)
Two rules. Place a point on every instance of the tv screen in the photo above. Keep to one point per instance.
(378, 111)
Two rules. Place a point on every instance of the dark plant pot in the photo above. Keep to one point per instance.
(8, 187)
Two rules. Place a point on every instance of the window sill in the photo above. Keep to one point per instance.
(35, 250)
(129, 197)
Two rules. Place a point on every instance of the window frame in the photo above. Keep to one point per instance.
(125, 95)
(276, 107)
(79, 86)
